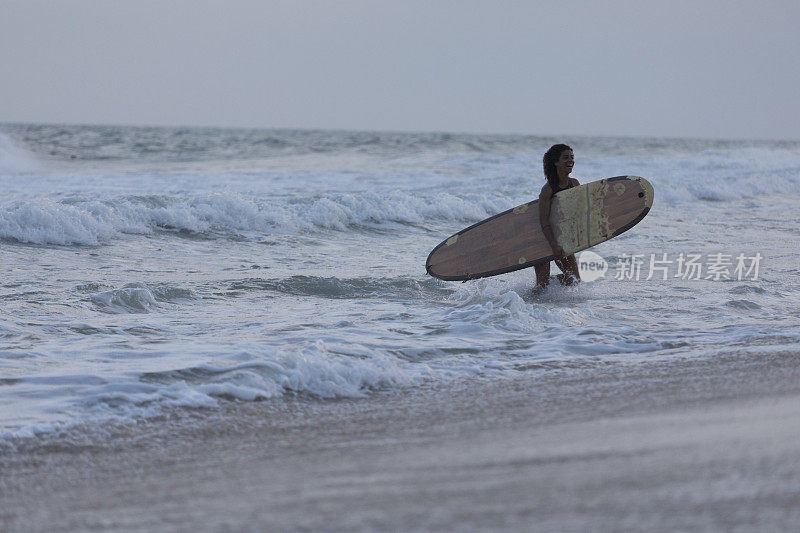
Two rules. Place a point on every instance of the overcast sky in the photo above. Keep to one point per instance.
(698, 68)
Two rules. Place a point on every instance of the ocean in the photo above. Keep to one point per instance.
(146, 272)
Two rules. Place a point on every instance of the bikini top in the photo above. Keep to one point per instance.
(569, 186)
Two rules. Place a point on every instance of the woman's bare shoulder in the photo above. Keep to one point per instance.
(546, 191)
(575, 181)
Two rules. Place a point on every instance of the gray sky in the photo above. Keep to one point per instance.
(698, 68)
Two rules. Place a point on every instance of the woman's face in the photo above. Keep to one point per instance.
(565, 163)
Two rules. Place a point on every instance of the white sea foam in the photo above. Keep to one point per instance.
(312, 370)
(136, 298)
(501, 306)
(93, 222)
(715, 175)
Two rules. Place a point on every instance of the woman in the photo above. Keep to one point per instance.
(558, 162)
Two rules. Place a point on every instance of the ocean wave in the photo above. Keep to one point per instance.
(161, 145)
(95, 222)
(137, 298)
(315, 370)
(15, 160)
(343, 288)
(716, 175)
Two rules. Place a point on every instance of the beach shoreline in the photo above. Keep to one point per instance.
(702, 443)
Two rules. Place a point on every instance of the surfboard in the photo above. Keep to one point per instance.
(581, 217)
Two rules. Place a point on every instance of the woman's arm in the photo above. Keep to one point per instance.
(544, 219)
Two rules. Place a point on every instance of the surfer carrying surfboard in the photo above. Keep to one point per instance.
(522, 236)
(558, 162)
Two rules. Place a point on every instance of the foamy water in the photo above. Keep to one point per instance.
(154, 269)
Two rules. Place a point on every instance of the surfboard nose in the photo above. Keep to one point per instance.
(648, 191)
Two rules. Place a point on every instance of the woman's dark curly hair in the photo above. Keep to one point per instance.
(549, 160)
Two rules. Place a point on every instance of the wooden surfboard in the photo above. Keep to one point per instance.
(581, 217)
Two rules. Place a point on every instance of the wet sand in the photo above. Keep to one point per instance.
(701, 444)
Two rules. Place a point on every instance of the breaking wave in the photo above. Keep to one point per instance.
(95, 222)
(315, 370)
(137, 298)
